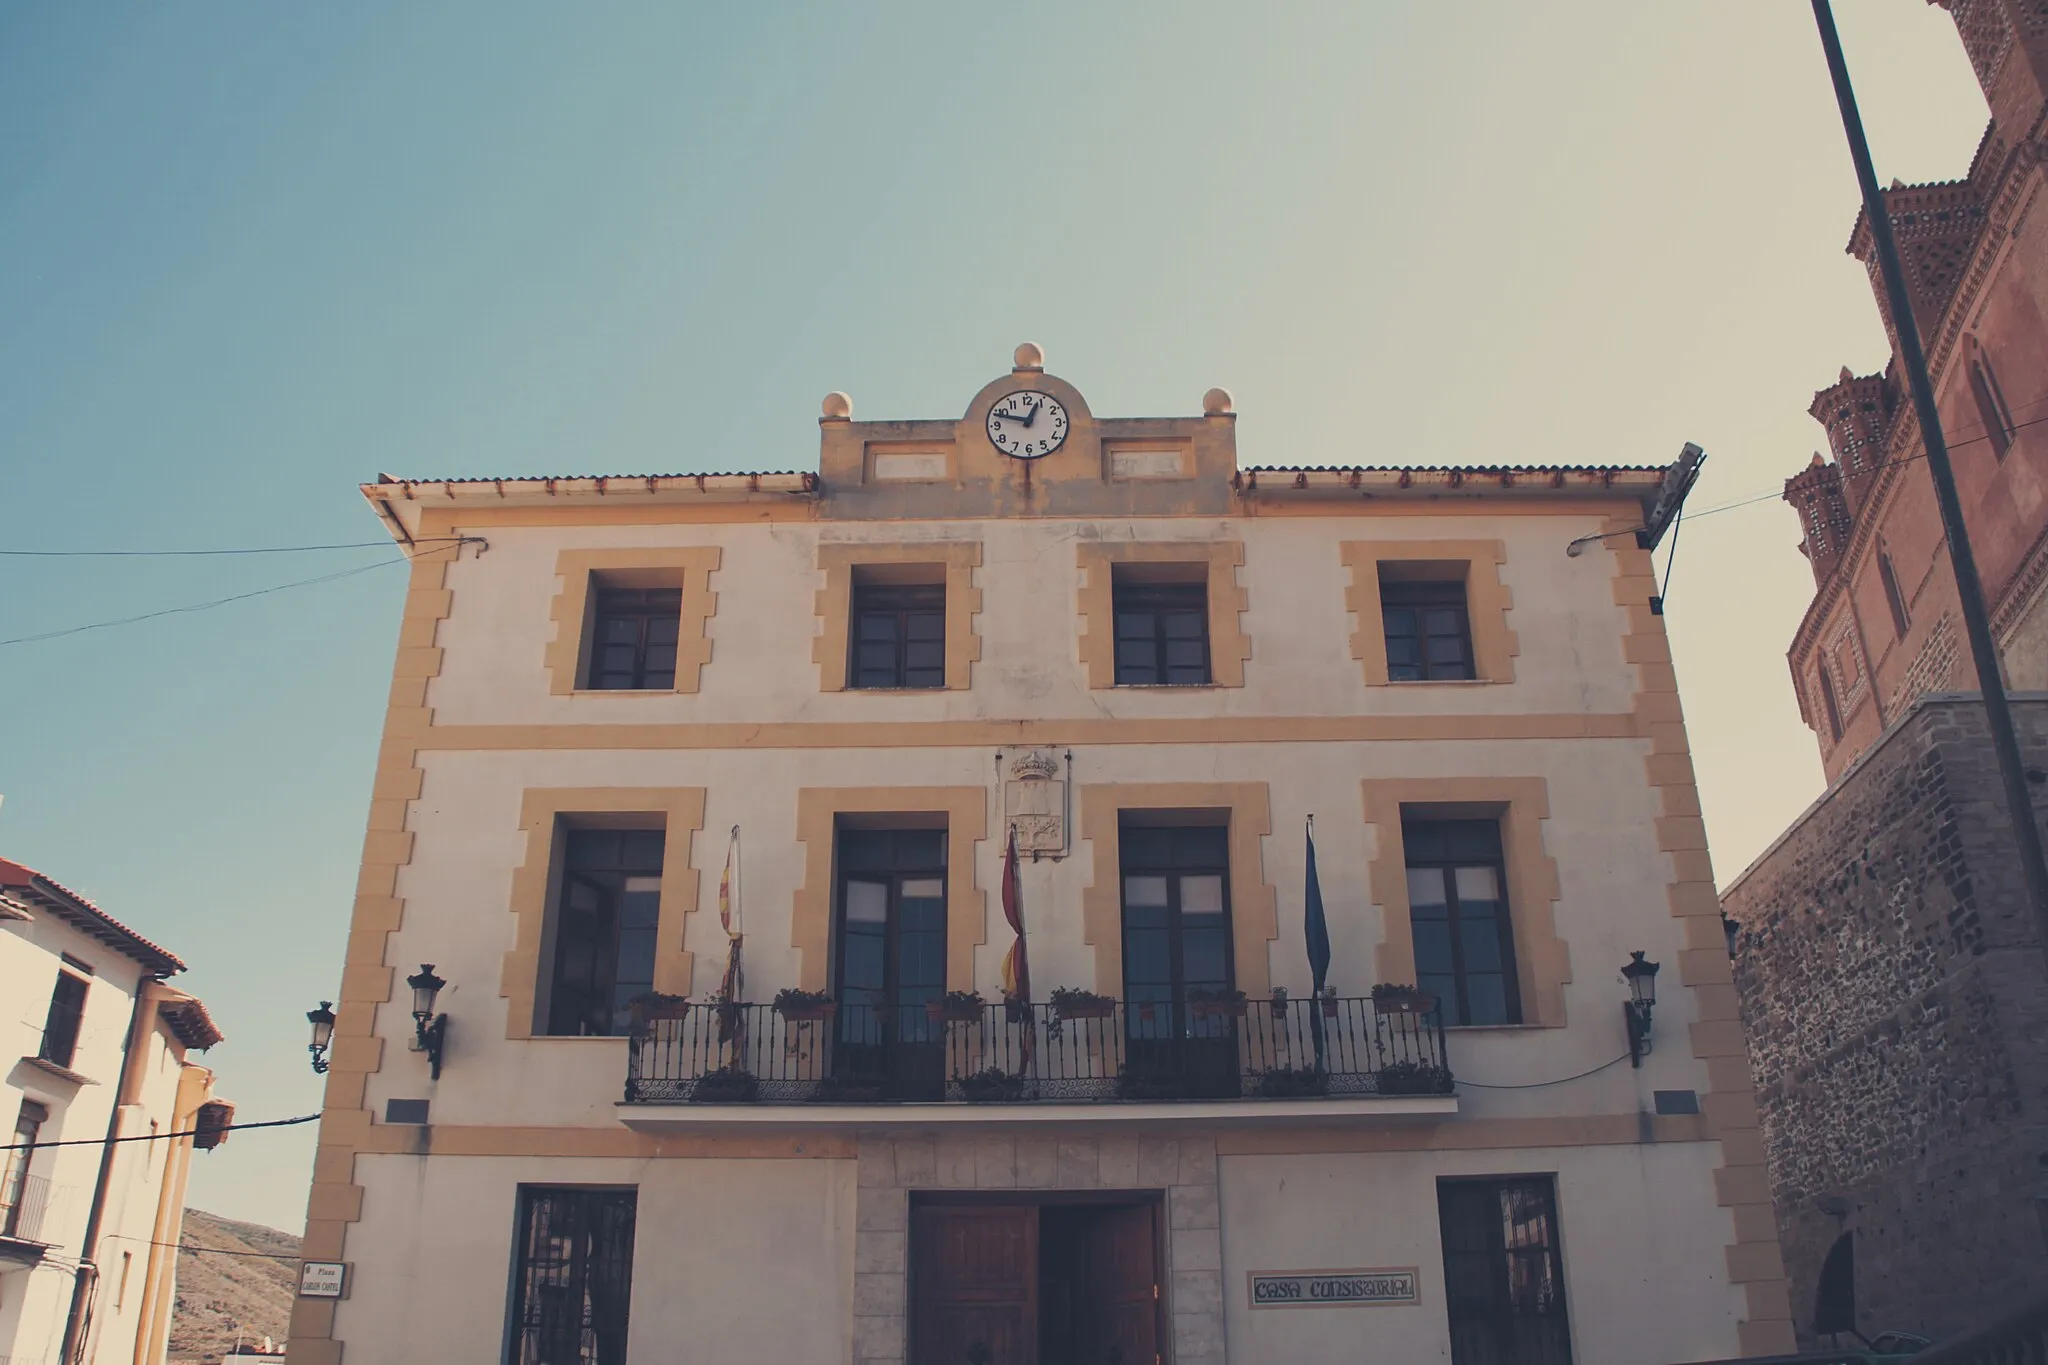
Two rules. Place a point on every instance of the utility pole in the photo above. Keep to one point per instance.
(2026, 836)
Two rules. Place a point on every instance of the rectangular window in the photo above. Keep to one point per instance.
(1457, 904)
(633, 645)
(1997, 418)
(1503, 1272)
(892, 960)
(1827, 699)
(1177, 948)
(606, 928)
(572, 1277)
(898, 635)
(16, 1219)
(60, 1026)
(1893, 598)
(1429, 630)
(1162, 633)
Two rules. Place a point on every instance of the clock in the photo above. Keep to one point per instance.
(1027, 425)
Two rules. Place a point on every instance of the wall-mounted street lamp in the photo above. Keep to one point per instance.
(322, 1021)
(1642, 989)
(430, 1033)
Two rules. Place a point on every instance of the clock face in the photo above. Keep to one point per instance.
(1027, 424)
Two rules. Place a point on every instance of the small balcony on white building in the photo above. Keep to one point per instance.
(1087, 1060)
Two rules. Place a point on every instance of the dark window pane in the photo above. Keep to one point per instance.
(1428, 630)
(61, 1023)
(1458, 914)
(899, 636)
(606, 929)
(572, 1276)
(629, 625)
(1161, 634)
(1487, 997)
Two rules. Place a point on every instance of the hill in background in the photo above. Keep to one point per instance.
(219, 1294)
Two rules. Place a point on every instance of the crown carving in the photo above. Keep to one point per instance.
(1035, 767)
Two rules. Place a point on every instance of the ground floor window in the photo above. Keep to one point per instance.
(572, 1276)
(1503, 1274)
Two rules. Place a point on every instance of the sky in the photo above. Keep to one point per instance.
(251, 255)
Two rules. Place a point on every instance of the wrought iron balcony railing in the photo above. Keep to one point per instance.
(24, 1201)
(1015, 1053)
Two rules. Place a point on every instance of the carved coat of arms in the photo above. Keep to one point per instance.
(1035, 801)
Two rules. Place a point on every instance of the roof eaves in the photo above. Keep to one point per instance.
(27, 884)
(190, 1021)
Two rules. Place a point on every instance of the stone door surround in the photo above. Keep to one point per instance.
(1183, 1168)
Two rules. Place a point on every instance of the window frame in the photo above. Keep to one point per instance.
(1831, 705)
(576, 1272)
(605, 961)
(1132, 597)
(901, 602)
(1499, 1312)
(1128, 867)
(1428, 594)
(1456, 1014)
(607, 606)
(1991, 408)
(1894, 595)
(895, 875)
(59, 1013)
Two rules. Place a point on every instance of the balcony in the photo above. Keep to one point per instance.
(25, 1205)
(708, 1065)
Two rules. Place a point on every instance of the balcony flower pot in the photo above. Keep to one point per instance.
(1071, 1004)
(1288, 1082)
(959, 1007)
(656, 1005)
(1016, 1009)
(1277, 1007)
(992, 1086)
(729, 1086)
(1415, 1078)
(1329, 1007)
(795, 1005)
(1401, 1000)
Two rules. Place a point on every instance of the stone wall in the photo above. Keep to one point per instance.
(1896, 1002)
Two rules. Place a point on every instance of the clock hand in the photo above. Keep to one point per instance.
(1032, 416)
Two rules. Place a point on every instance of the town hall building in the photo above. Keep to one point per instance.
(868, 915)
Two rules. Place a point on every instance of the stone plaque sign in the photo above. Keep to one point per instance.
(1333, 1288)
(322, 1279)
(1035, 801)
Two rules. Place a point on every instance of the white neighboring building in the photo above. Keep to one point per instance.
(1154, 667)
(93, 1044)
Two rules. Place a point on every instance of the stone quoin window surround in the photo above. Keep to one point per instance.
(1521, 805)
(585, 574)
(823, 811)
(1376, 563)
(1105, 566)
(547, 814)
(948, 563)
(1244, 808)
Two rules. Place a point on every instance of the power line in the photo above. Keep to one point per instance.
(224, 601)
(204, 1251)
(159, 1137)
(240, 550)
(1538, 1085)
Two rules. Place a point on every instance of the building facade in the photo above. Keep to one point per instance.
(100, 1047)
(1888, 971)
(1883, 626)
(644, 727)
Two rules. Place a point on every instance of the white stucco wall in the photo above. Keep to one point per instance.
(734, 1260)
(1643, 1283)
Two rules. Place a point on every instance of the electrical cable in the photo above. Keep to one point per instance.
(159, 1137)
(224, 601)
(1538, 1085)
(204, 1251)
(246, 550)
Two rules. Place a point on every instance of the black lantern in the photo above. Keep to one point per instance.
(322, 1021)
(430, 1032)
(1642, 989)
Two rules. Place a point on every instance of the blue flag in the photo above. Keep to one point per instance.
(1317, 928)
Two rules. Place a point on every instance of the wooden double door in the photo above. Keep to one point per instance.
(1034, 1284)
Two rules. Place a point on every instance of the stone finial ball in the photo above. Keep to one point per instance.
(1030, 357)
(838, 405)
(1216, 402)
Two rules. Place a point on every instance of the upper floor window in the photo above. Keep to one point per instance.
(61, 1024)
(1991, 408)
(633, 648)
(606, 928)
(1458, 909)
(1893, 597)
(1162, 633)
(572, 1275)
(899, 635)
(1827, 700)
(1429, 630)
(19, 1213)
